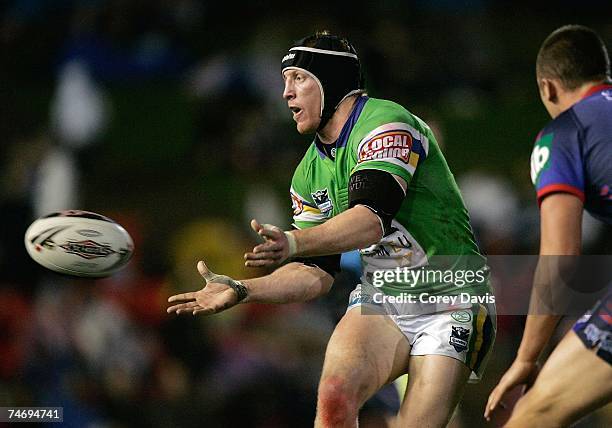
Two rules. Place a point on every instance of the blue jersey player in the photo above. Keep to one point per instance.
(571, 168)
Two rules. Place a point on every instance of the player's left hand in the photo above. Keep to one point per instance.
(519, 373)
(275, 250)
(216, 295)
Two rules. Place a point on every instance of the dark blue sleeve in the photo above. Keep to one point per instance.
(556, 160)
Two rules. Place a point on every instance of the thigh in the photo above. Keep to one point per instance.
(466, 335)
(573, 382)
(435, 386)
(366, 352)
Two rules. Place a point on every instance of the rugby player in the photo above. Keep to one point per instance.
(373, 179)
(571, 170)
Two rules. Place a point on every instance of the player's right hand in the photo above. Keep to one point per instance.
(275, 249)
(215, 296)
(519, 373)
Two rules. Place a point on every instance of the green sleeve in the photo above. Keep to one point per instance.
(390, 139)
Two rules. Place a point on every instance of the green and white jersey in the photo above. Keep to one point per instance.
(432, 220)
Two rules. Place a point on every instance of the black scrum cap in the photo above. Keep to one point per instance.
(336, 71)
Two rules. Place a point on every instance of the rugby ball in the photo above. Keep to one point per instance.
(79, 243)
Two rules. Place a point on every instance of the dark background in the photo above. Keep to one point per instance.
(168, 117)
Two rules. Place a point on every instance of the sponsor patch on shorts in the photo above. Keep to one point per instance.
(462, 316)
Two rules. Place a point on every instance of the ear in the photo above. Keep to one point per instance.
(549, 90)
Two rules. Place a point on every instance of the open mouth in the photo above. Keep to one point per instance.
(296, 111)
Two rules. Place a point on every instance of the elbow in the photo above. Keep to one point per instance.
(317, 284)
(321, 285)
(373, 230)
(377, 232)
(326, 284)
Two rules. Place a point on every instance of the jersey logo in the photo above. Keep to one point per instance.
(540, 157)
(322, 201)
(459, 338)
(390, 144)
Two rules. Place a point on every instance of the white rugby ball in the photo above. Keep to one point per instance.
(79, 243)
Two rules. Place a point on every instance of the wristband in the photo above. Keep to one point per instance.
(292, 244)
(237, 286)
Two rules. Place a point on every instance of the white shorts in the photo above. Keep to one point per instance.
(465, 332)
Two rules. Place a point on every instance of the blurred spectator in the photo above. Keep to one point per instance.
(493, 207)
(79, 111)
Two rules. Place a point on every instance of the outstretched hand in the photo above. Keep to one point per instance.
(215, 296)
(519, 373)
(275, 250)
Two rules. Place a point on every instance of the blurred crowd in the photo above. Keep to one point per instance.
(168, 117)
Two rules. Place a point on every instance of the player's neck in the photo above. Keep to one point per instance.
(331, 131)
(568, 98)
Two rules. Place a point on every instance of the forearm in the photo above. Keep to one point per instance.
(355, 228)
(294, 282)
(561, 219)
(538, 331)
(541, 319)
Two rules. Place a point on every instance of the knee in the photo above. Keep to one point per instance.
(337, 403)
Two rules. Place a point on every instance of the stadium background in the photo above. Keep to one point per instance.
(168, 117)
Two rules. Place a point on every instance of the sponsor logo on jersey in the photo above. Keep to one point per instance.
(399, 246)
(87, 249)
(391, 144)
(322, 201)
(462, 316)
(540, 157)
(459, 338)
